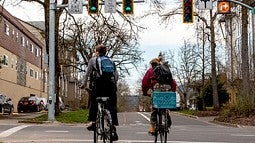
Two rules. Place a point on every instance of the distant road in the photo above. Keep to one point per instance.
(133, 129)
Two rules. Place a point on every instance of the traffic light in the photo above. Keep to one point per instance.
(128, 6)
(93, 6)
(187, 7)
(223, 6)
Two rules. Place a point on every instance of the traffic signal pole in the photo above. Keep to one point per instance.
(51, 82)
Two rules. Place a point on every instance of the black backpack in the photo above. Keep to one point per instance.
(163, 73)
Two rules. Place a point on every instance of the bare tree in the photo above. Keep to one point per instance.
(84, 35)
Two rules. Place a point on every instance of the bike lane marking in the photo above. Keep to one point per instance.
(147, 118)
(12, 130)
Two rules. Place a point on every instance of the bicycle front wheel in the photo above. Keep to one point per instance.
(107, 127)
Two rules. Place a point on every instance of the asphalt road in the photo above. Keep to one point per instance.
(133, 129)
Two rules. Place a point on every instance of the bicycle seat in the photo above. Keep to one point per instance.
(102, 99)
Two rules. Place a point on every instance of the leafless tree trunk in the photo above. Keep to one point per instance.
(214, 74)
(244, 52)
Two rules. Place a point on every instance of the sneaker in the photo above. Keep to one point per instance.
(152, 129)
(115, 136)
(92, 127)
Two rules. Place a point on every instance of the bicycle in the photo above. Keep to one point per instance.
(163, 102)
(104, 127)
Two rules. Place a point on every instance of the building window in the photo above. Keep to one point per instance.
(22, 41)
(31, 72)
(36, 74)
(37, 52)
(5, 60)
(12, 63)
(27, 44)
(7, 29)
(31, 48)
(17, 37)
(16, 65)
(13, 33)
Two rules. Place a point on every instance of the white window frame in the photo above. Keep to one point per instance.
(7, 29)
(23, 41)
(17, 37)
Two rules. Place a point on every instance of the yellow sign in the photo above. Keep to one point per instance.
(223, 7)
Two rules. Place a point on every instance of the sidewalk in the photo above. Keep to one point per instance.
(16, 118)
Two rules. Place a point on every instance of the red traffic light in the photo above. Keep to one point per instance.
(187, 8)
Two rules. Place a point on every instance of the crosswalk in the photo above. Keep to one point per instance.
(12, 130)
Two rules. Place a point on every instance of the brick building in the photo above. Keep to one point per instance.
(24, 71)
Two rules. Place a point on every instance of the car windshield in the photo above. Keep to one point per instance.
(32, 98)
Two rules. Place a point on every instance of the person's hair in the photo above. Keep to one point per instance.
(155, 62)
(101, 49)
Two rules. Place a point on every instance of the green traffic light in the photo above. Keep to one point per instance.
(128, 8)
(93, 8)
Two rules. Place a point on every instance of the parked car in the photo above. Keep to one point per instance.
(30, 103)
(6, 105)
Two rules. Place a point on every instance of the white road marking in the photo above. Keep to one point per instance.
(242, 135)
(56, 131)
(12, 130)
(147, 118)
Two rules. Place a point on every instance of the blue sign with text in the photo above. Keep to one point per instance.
(164, 100)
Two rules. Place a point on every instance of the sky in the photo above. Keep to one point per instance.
(153, 40)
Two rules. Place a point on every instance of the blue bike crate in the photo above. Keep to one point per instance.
(164, 100)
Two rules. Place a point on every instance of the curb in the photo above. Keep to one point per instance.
(217, 122)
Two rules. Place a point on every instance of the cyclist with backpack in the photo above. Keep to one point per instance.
(159, 77)
(104, 85)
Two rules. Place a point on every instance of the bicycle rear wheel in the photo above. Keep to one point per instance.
(164, 130)
(107, 127)
(161, 127)
(97, 131)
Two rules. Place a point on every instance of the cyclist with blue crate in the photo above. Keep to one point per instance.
(150, 83)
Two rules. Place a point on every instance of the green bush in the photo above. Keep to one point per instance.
(243, 108)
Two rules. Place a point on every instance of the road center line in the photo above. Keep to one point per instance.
(12, 130)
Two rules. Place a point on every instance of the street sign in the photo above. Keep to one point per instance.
(223, 7)
(205, 4)
(75, 6)
(110, 6)
(253, 11)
